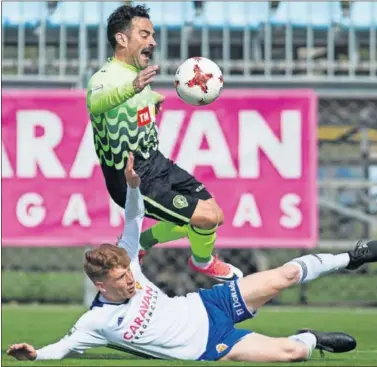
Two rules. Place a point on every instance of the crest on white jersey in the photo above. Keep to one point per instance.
(70, 332)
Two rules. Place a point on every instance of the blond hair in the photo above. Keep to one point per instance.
(99, 261)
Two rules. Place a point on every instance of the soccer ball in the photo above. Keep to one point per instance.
(198, 81)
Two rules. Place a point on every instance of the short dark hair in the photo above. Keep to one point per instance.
(120, 19)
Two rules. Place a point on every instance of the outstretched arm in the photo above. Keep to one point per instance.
(76, 341)
(134, 211)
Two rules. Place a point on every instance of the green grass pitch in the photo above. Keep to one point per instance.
(41, 325)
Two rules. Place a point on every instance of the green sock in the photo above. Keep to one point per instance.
(160, 233)
(202, 242)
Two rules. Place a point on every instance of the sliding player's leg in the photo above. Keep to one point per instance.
(295, 348)
(260, 348)
(226, 306)
(259, 288)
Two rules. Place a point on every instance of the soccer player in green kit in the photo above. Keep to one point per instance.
(122, 109)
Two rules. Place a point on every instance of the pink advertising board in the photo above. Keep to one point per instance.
(256, 151)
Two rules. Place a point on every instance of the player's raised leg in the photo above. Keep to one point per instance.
(205, 221)
(257, 289)
(186, 209)
(161, 232)
(177, 214)
(193, 218)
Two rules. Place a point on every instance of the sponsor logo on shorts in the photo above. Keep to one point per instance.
(221, 347)
(199, 188)
(236, 302)
(180, 202)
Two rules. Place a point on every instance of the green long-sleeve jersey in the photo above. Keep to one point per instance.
(123, 121)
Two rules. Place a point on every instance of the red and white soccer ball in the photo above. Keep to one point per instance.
(198, 81)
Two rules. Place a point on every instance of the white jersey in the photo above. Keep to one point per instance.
(148, 324)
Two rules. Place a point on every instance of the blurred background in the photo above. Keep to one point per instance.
(330, 47)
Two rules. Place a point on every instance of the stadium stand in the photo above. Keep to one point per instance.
(317, 40)
(322, 14)
(27, 13)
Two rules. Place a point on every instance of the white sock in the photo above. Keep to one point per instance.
(201, 265)
(312, 266)
(306, 338)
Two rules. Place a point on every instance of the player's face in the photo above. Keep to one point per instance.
(119, 285)
(141, 42)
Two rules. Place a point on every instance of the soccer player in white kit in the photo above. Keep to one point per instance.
(132, 314)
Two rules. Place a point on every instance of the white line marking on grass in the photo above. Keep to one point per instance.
(304, 309)
(366, 351)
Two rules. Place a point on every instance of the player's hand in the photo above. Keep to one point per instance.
(144, 78)
(159, 103)
(22, 352)
(132, 177)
